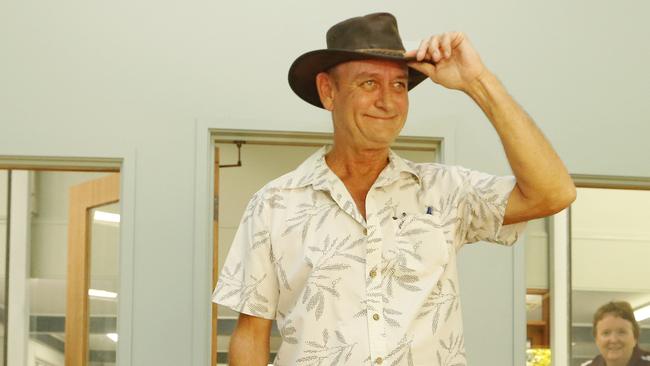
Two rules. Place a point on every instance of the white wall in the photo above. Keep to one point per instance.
(135, 80)
(611, 240)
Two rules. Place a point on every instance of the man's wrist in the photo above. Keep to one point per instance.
(481, 86)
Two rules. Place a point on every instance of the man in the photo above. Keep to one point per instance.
(354, 252)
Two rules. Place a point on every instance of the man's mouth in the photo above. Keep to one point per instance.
(381, 117)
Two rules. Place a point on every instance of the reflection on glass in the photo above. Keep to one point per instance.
(103, 293)
(610, 247)
(538, 325)
(4, 183)
(48, 264)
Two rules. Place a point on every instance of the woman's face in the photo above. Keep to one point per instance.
(615, 339)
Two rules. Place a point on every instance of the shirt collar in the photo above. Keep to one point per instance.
(315, 171)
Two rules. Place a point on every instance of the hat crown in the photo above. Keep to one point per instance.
(372, 31)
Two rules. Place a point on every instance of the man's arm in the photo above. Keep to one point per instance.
(249, 343)
(544, 186)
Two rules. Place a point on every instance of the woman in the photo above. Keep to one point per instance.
(617, 336)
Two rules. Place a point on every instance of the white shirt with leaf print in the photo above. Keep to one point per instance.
(349, 291)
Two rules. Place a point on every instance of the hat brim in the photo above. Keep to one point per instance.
(303, 71)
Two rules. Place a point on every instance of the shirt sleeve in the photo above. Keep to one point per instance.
(482, 208)
(248, 282)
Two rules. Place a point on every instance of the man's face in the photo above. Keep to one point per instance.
(369, 102)
(615, 338)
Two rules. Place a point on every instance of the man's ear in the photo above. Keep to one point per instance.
(325, 87)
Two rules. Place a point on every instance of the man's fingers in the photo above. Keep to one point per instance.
(410, 54)
(445, 45)
(437, 47)
(456, 38)
(422, 50)
(434, 48)
(424, 67)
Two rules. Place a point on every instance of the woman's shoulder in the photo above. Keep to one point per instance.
(644, 357)
(597, 361)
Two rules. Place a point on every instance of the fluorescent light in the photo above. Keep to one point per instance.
(107, 217)
(102, 294)
(642, 313)
(112, 336)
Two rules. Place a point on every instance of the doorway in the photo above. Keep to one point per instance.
(244, 162)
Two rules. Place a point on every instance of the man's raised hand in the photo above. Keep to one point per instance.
(449, 59)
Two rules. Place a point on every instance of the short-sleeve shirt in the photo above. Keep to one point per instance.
(352, 291)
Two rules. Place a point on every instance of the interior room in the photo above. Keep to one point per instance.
(148, 90)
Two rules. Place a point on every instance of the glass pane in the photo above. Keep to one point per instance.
(103, 293)
(610, 247)
(538, 325)
(48, 263)
(4, 185)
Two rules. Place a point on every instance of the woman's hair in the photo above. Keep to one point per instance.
(621, 309)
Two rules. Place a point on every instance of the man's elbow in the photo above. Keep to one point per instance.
(559, 199)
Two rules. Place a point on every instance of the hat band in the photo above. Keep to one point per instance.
(382, 51)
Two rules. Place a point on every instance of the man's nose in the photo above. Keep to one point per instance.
(384, 98)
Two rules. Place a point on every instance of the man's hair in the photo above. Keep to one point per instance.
(333, 73)
(621, 309)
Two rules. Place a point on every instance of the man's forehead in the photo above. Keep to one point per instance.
(370, 66)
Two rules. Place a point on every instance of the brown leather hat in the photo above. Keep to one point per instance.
(373, 36)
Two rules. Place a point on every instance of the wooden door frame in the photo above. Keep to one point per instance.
(83, 198)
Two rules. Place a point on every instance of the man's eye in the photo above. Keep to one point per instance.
(369, 83)
(400, 85)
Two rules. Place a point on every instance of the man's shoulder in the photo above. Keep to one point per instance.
(432, 173)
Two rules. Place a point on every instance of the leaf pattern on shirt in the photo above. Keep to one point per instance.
(401, 353)
(245, 292)
(281, 272)
(371, 304)
(437, 301)
(307, 213)
(396, 269)
(395, 273)
(388, 212)
(452, 351)
(261, 238)
(484, 202)
(332, 259)
(287, 330)
(333, 350)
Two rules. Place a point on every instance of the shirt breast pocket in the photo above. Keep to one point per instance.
(420, 246)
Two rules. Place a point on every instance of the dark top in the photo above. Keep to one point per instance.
(639, 358)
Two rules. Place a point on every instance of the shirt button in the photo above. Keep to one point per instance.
(365, 232)
(376, 316)
(379, 360)
(373, 273)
